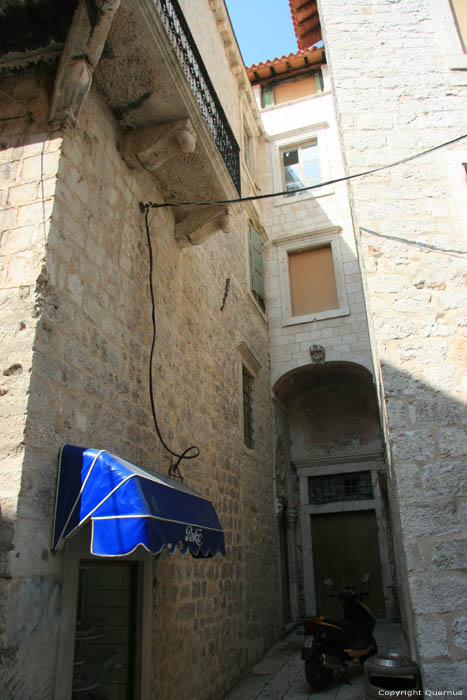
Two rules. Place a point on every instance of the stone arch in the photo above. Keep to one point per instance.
(332, 410)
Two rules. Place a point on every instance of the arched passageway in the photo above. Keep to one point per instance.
(328, 415)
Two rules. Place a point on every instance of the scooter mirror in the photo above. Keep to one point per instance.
(366, 577)
(328, 582)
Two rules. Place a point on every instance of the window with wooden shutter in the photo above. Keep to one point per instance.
(459, 9)
(312, 281)
(267, 96)
(257, 267)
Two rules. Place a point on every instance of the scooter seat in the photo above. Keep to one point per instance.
(341, 624)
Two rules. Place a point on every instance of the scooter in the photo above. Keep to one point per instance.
(331, 644)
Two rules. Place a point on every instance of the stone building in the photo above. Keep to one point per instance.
(105, 105)
(345, 301)
(395, 85)
(330, 482)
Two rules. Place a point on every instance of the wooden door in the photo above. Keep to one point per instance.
(345, 546)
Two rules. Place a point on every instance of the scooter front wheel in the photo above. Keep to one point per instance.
(317, 675)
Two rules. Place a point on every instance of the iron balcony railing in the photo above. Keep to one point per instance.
(197, 76)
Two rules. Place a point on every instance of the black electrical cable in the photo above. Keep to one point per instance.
(302, 189)
(173, 469)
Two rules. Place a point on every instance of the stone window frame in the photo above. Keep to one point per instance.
(250, 128)
(301, 137)
(248, 150)
(248, 361)
(301, 243)
(451, 41)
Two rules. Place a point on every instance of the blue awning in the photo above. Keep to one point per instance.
(130, 506)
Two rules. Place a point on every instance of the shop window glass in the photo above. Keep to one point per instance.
(105, 627)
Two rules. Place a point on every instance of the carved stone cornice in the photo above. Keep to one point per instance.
(153, 146)
(202, 222)
(80, 56)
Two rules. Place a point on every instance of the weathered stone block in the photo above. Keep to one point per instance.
(23, 194)
(453, 442)
(451, 554)
(432, 637)
(445, 479)
(433, 409)
(435, 595)
(416, 445)
(428, 519)
(414, 557)
(442, 677)
(408, 481)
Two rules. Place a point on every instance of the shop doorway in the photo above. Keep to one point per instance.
(345, 546)
(104, 661)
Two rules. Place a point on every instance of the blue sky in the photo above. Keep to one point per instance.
(263, 28)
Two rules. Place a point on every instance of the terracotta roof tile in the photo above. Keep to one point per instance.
(291, 64)
(306, 22)
(282, 59)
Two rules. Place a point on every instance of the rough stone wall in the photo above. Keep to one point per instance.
(84, 351)
(396, 95)
(29, 159)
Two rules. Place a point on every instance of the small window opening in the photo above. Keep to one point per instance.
(248, 408)
(300, 166)
(355, 486)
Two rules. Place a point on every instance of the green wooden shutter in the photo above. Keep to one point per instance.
(267, 96)
(257, 266)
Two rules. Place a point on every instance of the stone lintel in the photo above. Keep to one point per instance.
(153, 146)
(80, 56)
(202, 222)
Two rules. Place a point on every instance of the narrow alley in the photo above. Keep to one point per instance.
(280, 674)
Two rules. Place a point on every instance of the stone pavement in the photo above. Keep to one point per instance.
(280, 674)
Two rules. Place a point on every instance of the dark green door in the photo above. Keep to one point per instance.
(345, 546)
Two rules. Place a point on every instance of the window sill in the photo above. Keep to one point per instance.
(457, 63)
(303, 196)
(321, 316)
(258, 307)
(316, 96)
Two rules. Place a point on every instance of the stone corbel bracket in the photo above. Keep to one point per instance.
(80, 56)
(202, 222)
(153, 146)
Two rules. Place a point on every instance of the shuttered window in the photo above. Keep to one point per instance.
(459, 9)
(257, 267)
(267, 96)
(312, 281)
